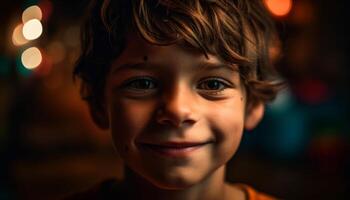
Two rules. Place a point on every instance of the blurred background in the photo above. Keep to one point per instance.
(49, 146)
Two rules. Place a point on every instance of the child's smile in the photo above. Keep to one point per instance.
(175, 149)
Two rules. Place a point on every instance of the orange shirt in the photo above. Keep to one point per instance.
(252, 194)
(109, 189)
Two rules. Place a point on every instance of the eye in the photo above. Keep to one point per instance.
(213, 84)
(141, 83)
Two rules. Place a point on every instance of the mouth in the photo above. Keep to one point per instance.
(175, 149)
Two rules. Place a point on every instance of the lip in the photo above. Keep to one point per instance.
(174, 149)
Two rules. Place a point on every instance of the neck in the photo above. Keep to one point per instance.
(212, 187)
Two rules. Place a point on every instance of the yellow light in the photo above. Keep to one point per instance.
(32, 12)
(279, 7)
(32, 29)
(17, 36)
(31, 58)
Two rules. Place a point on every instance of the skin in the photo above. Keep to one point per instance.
(160, 94)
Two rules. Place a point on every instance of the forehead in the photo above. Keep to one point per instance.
(138, 50)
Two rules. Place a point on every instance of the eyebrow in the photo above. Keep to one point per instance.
(216, 66)
(202, 66)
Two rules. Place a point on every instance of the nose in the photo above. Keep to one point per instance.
(177, 107)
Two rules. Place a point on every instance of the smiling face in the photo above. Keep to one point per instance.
(175, 116)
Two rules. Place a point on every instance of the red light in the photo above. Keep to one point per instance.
(279, 8)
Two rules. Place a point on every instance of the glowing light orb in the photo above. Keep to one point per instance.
(32, 29)
(17, 36)
(31, 58)
(279, 7)
(32, 12)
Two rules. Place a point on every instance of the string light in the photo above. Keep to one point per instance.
(31, 58)
(17, 36)
(32, 29)
(279, 8)
(32, 12)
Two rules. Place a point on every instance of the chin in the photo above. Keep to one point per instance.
(175, 183)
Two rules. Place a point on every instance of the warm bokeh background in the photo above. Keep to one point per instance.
(50, 147)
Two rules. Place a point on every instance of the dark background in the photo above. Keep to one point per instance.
(50, 147)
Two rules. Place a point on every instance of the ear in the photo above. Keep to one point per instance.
(254, 115)
(99, 116)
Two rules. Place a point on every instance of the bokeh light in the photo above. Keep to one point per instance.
(17, 36)
(279, 7)
(32, 29)
(31, 58)
(32, 12)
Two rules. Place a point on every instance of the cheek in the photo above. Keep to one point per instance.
(128, 120)
(227, 123)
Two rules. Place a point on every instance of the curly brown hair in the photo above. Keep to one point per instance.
(237, 31)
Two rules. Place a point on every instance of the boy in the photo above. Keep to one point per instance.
(176, 82)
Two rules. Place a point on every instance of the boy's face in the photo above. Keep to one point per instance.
(175, 115)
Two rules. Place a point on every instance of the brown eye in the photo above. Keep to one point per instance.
(212, 84)
(142, 83)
